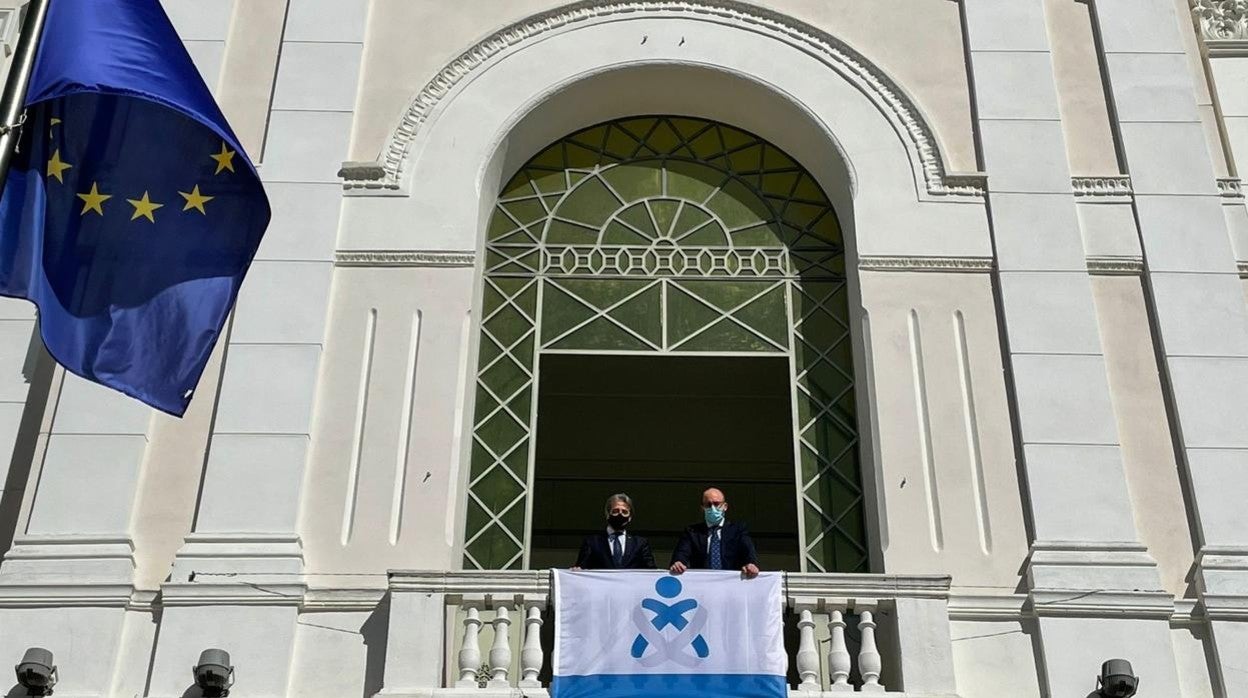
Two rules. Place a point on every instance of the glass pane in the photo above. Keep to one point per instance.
(738, 207)
(663, 139)
(693, 181)
(591, 203)
(561, 311)
(636, 180)
(601, 334)
(643, 314)
(726, 335)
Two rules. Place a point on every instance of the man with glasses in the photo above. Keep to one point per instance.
(715, 543)
(615, 548)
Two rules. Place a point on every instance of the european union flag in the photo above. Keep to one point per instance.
(131, 212)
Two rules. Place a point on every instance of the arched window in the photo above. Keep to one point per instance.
(666, 237)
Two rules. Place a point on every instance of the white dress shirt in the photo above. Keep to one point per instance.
(623, 541)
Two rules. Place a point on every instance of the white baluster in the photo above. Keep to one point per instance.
(869, 664)
(838, 654)
(470, 650)
(807, 654)
(531, 655)
(500, 651)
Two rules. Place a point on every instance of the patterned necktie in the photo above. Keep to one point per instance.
(717, 555)
(617, 551)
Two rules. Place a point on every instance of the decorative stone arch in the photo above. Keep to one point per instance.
(922, 145)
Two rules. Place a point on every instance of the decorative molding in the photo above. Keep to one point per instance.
(232, 593)
(964, 606)
(361, 171)
(1116, 266)
(971, 184)
(404, 258)
(1102, 603)
(1221, 20)
(878, 86)
(1116, 187)
(816, 585)
(928, 264)
(1187, 612)
(1231, 187)
(63, 593)
(10, 19)
(342, 599)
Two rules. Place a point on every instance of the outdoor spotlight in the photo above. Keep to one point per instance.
(36, 672)
(213, 674)
(1117, 680)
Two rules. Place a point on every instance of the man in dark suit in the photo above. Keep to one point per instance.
(715, 544)
(615, 548)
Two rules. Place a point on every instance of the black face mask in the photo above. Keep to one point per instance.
(619, 522)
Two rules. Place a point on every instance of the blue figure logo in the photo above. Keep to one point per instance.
(650, 631)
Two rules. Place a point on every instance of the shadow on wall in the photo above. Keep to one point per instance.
(375, 630)
(38, 371)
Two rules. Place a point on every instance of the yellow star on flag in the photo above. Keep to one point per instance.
(52, 123)
(195, 200)
(225, 159)
(57, 167)
(144, 207)
(91, 200)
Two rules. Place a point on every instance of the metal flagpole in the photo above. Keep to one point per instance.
(12, 102)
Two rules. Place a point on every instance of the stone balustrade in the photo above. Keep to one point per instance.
(457, 634)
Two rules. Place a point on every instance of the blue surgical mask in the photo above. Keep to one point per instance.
(714, 516)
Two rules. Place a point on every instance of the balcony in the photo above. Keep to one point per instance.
(486, 634)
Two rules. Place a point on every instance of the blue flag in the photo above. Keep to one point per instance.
(131, 212)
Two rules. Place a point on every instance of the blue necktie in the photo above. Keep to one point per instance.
(617, 552)
(717, 555)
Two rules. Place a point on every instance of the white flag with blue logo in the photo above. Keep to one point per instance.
(645, 633)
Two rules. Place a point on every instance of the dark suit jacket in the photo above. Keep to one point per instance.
(596, 553)
(736, 547)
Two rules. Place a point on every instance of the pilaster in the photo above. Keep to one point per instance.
(1066, 423)
(1086, 564)
(237, 580)
(1201, 319)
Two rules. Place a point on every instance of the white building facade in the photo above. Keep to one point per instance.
(950, 297)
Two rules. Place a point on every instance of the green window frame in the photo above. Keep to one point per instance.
(665, 235)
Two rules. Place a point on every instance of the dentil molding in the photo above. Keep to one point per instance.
(1116, 266)
(404, 258)
(1102, 187)
(1230, 187)
(927, 264)
(880, 88)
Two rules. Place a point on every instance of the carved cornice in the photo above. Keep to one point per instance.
(1230, 187)
(839, 56)
(1221, 20)
(1115, 266)
(1108, 187)
(404, 258)
(928, 264)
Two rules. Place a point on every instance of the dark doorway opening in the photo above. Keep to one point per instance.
(662, 429)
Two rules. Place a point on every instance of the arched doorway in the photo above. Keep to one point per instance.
(666, 237)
